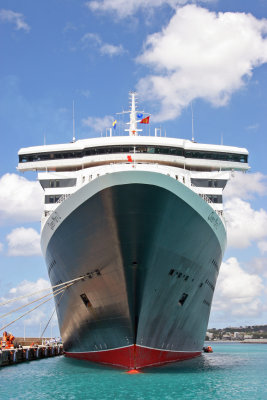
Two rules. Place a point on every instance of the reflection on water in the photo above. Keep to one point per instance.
(204, 363)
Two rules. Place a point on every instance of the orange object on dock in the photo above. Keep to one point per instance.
(7, 341)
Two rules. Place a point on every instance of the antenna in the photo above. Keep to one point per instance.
(73, 123)
(193, 139)
(133, 131)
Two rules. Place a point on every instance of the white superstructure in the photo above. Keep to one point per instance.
(204, 168)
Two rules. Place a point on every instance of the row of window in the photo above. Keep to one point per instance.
(210, 284)
(215, 198)
(52, 199)
(173, 272)
(51, 265)
(216, 183)
(172, 151)
(55, 183)
(215, 264)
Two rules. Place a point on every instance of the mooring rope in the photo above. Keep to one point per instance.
(34, 301)
(41, 337)
(42, 290)
(32, 309)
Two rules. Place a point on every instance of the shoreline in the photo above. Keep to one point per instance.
(246, 341)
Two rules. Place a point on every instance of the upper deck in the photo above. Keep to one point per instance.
(117, 149)
(94, 152)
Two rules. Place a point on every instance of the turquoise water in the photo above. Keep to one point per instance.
(233, 371)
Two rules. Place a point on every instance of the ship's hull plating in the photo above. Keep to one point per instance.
(153, 248)
(135, 356)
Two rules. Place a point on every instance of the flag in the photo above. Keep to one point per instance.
(145, 121)
(139, 115)
(114, 124)
(129, 158)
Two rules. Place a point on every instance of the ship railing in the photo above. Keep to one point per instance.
(62, 198)
(208, 200)
(202, 195)
(47, 213)
(163, 170)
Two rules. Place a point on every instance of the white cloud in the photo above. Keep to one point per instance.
(24, 242)
(25, 288)
(259, 266)
(201, 54)
(262, 245)
(253, 127)
(244, 224)
(111, 50)
(14, 18)
(93, 39)
(36, 317)
(98, 124)
(246, 186)
(1, 247)
(20, 199)
(237, 292)
(41, 314)
(127, 8)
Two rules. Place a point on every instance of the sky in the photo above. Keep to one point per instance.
(174, 53)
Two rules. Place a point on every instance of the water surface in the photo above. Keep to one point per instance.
(234, 371)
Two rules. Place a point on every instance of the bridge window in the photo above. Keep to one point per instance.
(52, 199)
(52, 183)
(215, 198)
(217, 183)
(166, 150)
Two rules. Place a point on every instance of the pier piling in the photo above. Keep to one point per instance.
(27, 353)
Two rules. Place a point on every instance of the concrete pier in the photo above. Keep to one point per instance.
(28, 353)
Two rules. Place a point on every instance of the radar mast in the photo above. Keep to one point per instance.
(133, 131)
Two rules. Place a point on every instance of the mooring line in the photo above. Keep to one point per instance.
(43, 290)
(34, 301)
(32, 309)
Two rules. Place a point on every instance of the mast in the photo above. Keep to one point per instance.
(73, 123)
(133, 131)
(193, 135)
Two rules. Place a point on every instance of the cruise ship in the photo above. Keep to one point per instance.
(140, 217)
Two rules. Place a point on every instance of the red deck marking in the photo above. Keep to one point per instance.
(134, 357)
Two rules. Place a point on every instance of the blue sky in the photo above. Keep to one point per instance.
(173, 52)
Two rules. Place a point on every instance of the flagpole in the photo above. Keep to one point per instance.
(73, 123)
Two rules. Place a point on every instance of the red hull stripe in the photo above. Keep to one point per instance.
(134, 356)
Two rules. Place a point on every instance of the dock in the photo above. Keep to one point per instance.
(28, 353)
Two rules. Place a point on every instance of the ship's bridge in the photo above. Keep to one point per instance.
(139, 149)
(204, 168)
